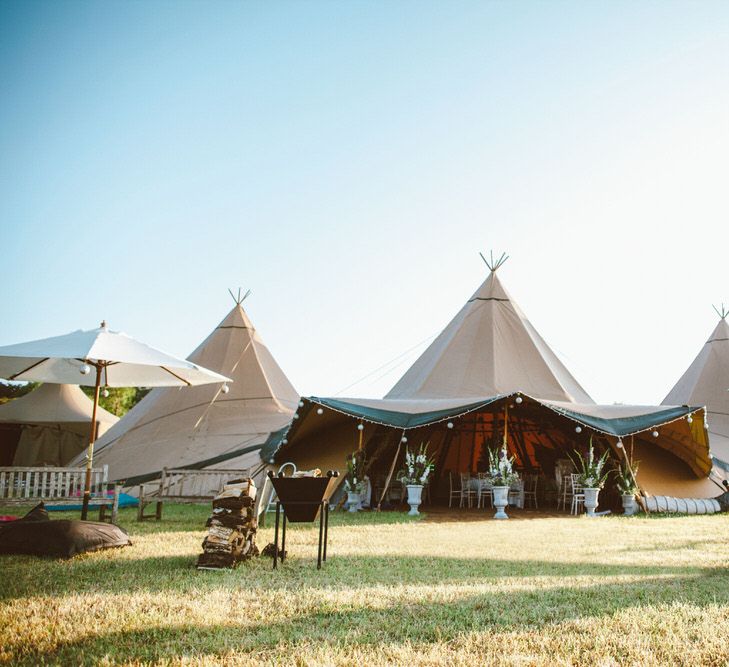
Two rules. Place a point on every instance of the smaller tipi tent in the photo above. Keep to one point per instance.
(48, 426)
(706, 382)
(199, 427)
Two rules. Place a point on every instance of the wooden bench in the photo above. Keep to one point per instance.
(182, 485)
(59, 487)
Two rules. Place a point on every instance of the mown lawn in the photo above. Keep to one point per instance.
(543, 591)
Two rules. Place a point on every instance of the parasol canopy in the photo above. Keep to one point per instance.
(118, 361)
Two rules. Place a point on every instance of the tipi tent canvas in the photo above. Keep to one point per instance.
(48, 426)
(204, 426)
(706, 382)
(487, 373)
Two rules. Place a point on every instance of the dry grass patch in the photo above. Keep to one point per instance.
(643, 591)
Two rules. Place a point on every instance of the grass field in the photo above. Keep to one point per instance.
(542, 591)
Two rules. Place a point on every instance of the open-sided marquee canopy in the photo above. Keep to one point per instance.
(490, 360)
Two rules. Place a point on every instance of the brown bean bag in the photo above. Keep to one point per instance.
(37, 536)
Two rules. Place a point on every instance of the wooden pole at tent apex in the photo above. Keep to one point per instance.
(494, 264)
(92, 439)
(721, 313)
(239, 299)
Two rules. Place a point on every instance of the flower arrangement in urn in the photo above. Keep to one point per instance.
(590, 469)
(592, 475)
(501, 468)
(354, 483)
(418, 468)
(625, 476)
(501, 475)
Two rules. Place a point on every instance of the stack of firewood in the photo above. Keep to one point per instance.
(232, 527)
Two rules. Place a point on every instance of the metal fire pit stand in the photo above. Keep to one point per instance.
(301, 500)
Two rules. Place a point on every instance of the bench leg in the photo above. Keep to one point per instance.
(140, 507)
(115, 505)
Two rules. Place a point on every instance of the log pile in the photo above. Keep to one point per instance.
(232, 527)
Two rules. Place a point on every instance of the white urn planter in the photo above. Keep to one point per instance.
(353, 501)
(501, 500)
(591, 500)
(415, 495)
(630, 506)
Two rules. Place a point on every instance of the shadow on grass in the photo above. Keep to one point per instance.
(418, 623)
(96, 573)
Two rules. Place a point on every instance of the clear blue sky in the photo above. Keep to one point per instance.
(347, 161)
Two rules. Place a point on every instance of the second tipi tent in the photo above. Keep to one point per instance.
(204, 426)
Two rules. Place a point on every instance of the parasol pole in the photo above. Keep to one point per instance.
(92, 439)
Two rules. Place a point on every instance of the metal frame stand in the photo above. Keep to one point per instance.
(280, 554)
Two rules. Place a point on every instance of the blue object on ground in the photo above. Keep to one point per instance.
(125, 500)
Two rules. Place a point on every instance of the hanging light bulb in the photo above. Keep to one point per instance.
(689, 419)
(655, 434)
(404, 439)
(620, 444)
(85, 369)
(105, 393)
(320, 411)
(449, 424)
(296, 415)
(285, 441)
(578, 429)
(301, 404)
(519, 399)
(360, 427)
(225, 389)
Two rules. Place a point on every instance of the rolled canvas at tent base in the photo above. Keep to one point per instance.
(682, 505)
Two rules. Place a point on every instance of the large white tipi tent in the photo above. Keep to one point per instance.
(489, 348)
(706, 382)
(204, 426)
(49, 426)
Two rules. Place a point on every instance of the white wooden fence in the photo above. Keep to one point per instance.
(57, 486)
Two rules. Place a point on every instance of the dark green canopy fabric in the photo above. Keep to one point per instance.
(618, 426)
(399, 419)
(622, 426)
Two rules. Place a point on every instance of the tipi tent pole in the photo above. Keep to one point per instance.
(445, 448)
(389, 475)
(506, 426)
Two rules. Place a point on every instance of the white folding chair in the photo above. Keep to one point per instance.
(468, 492)
(578, 495)
(485, 490)
(452, 491)
(530, 489)
(516, 494)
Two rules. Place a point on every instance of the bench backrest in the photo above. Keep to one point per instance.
(185, 483)
(48, 482)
